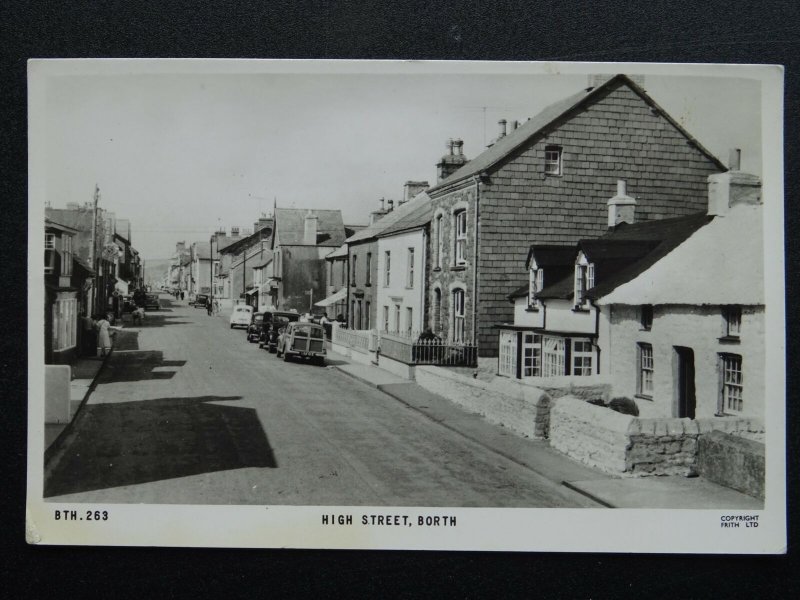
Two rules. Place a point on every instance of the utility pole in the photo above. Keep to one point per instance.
(310, 300)
(93, 250)
(211, 268)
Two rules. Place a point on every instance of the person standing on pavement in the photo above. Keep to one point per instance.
(104, 330)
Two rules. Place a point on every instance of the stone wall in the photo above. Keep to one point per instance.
(521, 408)
(634, 446)
(732, 461)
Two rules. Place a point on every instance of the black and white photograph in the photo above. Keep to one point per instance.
(406, 305)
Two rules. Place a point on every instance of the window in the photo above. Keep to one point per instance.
(353, 271)
(331, 282)
(49, 251)
(386, 318)
(397, 318)
(437, 263)
(552, 356)
(584, 279)
(552, 160)
(733, 321)
(531, 355)
(645, 379)
(582, 355)
(409, 320)
(535, 284)
(359, 315)
(369, 268)
(66, 255)
(437, 310)
(508, 353)
(352, 314)
(387, 269)
(459, 316)
(461, 237)
(646, 316)
(65, 314)
(410, 274)
(366, 315)
(732, 399)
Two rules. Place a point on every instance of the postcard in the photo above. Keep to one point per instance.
(406, 305)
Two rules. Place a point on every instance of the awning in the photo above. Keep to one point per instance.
(251, 292)
(333, 298)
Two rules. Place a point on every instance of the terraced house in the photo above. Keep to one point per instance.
(548, 181)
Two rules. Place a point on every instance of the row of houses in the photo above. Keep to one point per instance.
(89, 265)
(596, 240)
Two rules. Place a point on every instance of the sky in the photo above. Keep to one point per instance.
(183, 154)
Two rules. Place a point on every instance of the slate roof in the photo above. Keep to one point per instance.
(263, 263)
(290, 226)
(51, 223)
(538, 125)
(390, 218)
(418, 216)
(229, 245)
(340, 252)
(626, 252)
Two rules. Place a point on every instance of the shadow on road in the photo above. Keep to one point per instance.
(160, 320)
(129, 443)
(137, 365)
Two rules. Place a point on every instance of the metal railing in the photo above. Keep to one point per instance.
(422, 350)
(362, 339)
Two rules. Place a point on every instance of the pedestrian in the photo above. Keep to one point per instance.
(181, 294)
(138, 315)
(209, 307)
(104, 331)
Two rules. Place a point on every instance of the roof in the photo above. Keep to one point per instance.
(720, 263)
(55, 225)
(340, 252)
(229, 245)
(78, 219)
(557, 263)
(390, 218)
(290, 226)
(263, 263)
(82, 264)
(538, 125)
(417, 216)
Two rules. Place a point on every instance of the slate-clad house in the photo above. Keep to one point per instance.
(301, 240)
(547, 182)
(671, 311)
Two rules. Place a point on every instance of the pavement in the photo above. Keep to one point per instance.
(674, 492)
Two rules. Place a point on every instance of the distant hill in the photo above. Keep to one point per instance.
(155, 269)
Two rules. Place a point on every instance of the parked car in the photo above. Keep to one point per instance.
(305, 340)
(241, 316)
(151, 301)
(201, 301)
(273, 322)
(254, 329)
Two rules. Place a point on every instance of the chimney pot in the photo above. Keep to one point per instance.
(382, 204)
(449, 145)
(391, 204)
(502, 123)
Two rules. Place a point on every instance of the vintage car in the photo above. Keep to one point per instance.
(254, 329)
(151, 301)
(201, 301)
(273, 322)
(241, 316)
(305, 340)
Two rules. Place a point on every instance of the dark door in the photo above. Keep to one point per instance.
(685, 382)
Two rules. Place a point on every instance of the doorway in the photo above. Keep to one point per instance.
(684, 380)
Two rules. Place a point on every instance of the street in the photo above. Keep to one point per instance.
(186, 411)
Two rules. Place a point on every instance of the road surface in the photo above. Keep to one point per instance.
(186, 411)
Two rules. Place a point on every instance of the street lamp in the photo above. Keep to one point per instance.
(211, 272)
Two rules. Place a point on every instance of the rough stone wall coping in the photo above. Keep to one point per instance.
(500, 385)
(600, 417)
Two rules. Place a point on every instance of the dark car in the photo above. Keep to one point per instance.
(151, 301)
(273, 322)
(201, 301)
(254, 329)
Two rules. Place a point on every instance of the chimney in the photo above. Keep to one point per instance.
(376, 215)
(732, 187)
(73, 206)
(390, 202)
(621, 208)
(514, 125)
(412, 188)
(310, 229)
(502, 123)
(451, 162)
(234, 231)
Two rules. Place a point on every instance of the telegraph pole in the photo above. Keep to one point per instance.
(93, 251)
(211, 270)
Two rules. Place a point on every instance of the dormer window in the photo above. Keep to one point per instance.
(552, 160)
(535, 284)
(584, 279)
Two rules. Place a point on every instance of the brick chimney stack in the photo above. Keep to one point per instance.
(452, 161)
(310, 229)
(412, 188)
(621, 208)
(732, 187)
